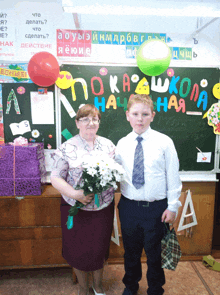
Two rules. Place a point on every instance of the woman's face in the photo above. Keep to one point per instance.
(88, 126)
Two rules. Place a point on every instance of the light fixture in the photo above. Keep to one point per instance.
(143, 7)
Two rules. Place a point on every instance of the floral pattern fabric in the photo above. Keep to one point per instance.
(67, 165)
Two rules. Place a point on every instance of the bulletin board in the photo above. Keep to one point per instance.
(181, 97)
(30, 111)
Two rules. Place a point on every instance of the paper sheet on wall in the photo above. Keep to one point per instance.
(204, 157)
(42, 108)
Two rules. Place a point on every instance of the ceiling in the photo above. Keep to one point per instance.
(134, 23)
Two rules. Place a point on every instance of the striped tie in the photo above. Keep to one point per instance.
(138, 170)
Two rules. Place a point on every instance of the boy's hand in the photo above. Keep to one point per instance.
(168, 216)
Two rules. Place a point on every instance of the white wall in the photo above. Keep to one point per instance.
(181, 29)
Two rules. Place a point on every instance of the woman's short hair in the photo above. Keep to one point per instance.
(140, 98)
(86, 110)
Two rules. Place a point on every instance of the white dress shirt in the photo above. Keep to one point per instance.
(161, 168)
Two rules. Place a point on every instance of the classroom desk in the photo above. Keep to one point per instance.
(30, 231)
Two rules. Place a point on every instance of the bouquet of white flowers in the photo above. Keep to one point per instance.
(99, 173)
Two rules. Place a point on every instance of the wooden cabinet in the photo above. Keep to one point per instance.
(203, 196)
(200, 243)
(30, 231)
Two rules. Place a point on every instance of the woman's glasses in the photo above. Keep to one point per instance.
(87, 121)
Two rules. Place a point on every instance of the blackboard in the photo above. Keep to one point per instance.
(110, 86)
(47, 132)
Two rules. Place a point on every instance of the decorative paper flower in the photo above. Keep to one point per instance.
(103, 71)
(135, 78)
(204, 83)
(170, 72)
(35, 133)
(216, 109)
(215, 121)
(213, 116)
(20, 141)
(217, 130)
(21, 90)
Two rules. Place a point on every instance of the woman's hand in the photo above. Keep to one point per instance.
(85, 200)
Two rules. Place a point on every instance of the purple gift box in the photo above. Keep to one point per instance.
(22, 169)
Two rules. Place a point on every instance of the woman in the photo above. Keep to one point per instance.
(86, 245)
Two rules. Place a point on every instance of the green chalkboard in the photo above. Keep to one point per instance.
(111, 86)
(24, 101)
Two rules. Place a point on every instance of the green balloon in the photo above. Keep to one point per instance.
(153, 57)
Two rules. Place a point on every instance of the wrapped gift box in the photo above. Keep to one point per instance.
(22, 169)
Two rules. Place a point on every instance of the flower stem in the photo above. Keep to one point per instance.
(75, 208)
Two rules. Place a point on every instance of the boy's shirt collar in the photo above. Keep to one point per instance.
(145, 134)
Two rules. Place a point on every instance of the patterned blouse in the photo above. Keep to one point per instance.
(67, 165)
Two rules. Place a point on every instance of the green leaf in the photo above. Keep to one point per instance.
(74, 209)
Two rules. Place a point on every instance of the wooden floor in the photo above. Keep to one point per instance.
(190, 277)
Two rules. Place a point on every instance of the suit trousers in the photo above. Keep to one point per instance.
(142, 228)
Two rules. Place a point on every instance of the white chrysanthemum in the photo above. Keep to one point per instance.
(91, 171)
(102, 171)
(118, 177)
(103, 183)
(104, 168)
(115, 186)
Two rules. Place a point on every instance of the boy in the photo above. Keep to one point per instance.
(150, 194)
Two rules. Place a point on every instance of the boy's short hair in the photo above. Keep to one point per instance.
(140, 98)
(86, 110)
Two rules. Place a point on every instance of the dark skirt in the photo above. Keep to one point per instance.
(86, 245)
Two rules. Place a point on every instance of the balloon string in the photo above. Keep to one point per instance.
(14, 170)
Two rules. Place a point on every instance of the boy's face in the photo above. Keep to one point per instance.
(140, 116)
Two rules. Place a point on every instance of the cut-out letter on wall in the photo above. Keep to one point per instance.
(84, 86)
(159, 87)
(67, 105)
(13, 97)
(113, 82)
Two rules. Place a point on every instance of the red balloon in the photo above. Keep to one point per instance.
(43, 69)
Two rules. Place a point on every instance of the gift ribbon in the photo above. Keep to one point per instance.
(97, 200)
(14, 169)
(69, 223)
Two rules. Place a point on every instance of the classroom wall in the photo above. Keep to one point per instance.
(18, 41)
(181, 30)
